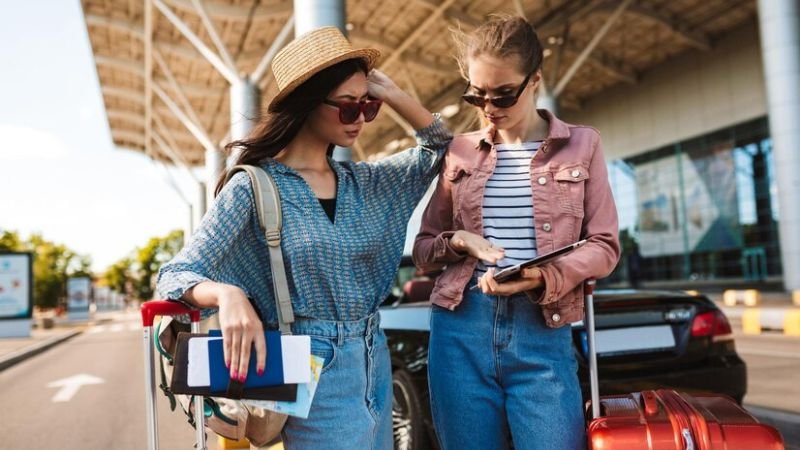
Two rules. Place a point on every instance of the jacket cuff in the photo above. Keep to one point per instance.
(551, 290)
(443, 251)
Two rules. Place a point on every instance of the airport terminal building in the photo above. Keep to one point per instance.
(697, 101)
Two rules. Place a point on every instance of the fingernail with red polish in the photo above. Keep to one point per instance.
(228, 364)
(260, 372)
(235, 375)
(242, 378)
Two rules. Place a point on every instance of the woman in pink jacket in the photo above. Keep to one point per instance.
(501, 360)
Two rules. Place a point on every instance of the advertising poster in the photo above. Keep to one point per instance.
(78, 292)
(16, 286)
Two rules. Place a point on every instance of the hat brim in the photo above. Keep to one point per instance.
(369, 55)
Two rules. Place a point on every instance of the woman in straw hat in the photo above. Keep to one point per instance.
(344, 227)
(524, 185)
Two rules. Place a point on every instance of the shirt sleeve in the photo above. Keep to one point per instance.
(432, 250)
(415, 168)
(219, 231)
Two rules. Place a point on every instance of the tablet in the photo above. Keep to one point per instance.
(511, 272)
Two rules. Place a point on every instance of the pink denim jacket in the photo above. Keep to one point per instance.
(571, 201)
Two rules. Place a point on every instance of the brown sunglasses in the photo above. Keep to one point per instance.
(349, 111)
(504, 101)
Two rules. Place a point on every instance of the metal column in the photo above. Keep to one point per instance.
(779, 24)
(310, 14)
(245, 108)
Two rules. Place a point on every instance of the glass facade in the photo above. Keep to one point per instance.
(700, 209)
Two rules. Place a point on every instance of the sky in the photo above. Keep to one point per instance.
(60, 174)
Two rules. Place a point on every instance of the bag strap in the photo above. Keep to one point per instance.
(268, 207)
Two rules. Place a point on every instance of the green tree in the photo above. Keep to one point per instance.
(53, 263)
(149, 259)
(10, 241)
(117, 275)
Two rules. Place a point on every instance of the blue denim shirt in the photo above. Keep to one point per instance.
(336, 271)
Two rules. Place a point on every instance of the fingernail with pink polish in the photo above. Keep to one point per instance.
(260, 372)
(228, 364)
(242, 378)
(235, 375)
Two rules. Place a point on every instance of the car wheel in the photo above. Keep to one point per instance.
(407, 424)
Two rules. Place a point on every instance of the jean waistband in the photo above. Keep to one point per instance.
(337, 328)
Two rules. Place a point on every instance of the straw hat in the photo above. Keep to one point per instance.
(310, 53)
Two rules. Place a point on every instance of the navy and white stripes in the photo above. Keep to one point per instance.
(508, 206)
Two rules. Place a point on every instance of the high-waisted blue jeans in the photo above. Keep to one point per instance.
(495, 368)
(352, 407)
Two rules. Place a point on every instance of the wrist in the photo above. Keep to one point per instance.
(225, 292)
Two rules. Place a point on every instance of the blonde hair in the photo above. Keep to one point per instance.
(503, 36)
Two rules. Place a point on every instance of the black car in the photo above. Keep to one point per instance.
(646, 340)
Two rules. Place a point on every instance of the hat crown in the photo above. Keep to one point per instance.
(308, 50)
(310, 53)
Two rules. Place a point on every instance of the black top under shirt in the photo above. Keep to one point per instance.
(329, 205)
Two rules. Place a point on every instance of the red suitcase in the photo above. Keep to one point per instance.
(669, 420)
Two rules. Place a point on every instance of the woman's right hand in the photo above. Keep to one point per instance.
(477, 246)
(241, 328)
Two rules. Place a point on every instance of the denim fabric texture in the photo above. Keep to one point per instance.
(336, 271)
(352, 408)
(495, 370)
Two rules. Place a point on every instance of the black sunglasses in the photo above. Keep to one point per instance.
(349, 111)
(504, 101)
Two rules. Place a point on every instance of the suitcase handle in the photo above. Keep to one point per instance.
(594, 385)
(166, 308)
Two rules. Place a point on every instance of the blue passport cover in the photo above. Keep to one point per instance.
(220, 375)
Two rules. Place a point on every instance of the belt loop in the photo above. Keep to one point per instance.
(339, 333)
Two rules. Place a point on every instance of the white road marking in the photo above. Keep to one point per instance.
(70, 386)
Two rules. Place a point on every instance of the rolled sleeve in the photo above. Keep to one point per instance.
(209, 247)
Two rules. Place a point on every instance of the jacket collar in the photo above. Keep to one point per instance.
(557, 130)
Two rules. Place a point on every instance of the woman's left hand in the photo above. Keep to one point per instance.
(380, 86)
(529, 279)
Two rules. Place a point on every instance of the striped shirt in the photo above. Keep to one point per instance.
(508, 206)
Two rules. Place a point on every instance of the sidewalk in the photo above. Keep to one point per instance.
(14, 350)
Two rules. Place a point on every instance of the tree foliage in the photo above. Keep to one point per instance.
(135, 274)
(53, 263)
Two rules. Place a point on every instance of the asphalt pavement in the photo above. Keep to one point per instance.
(81, 386)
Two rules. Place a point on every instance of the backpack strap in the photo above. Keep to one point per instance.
(268, 207)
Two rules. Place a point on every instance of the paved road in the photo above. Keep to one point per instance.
(111, 414)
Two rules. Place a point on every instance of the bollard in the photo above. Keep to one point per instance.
(751, 321)
(796, 297)
(752, 297)
(229, 443)
(791, 322)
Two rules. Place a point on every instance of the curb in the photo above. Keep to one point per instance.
(27, 352)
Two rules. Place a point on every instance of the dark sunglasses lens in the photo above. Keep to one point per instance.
(349, 112)
(474, 100)
(371, 109)
(505, 101)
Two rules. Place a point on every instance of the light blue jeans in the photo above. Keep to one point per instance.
(495, 368)
(352, 407)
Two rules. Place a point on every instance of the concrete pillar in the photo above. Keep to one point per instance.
(310, 14)
(779, 25)
(245, 108)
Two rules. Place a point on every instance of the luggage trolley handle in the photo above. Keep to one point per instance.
(594, 384)
(149, 310)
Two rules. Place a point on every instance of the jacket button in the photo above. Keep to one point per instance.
(556, 317)
(542, 180)
(576, 173)
(546, 226)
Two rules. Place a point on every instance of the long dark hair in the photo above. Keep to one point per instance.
(273, 133)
